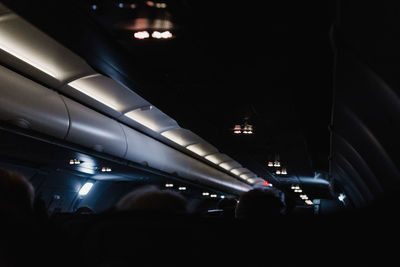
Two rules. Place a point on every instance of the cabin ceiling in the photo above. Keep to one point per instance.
(227, 61)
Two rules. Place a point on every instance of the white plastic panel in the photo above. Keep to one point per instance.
(30, 105)
(202, 149)
(99, 91)
(229, 165)
(239, 171)
(94, 130)
(32, 52)
(143, 149)
(248, 175)
(182, 137)
(151, 118)
(217, 158)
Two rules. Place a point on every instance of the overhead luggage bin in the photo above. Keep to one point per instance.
(149, 118)
(104, 94)
(147, 151)
(29, 105)
(182, 137)
(28, 50)
(239, 171)
(94, 130)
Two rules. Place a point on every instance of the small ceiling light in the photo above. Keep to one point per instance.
(161, 5)
(94, 7)
(141, 35)
(213, 195)
(150, 3)
(309, 202)
(182, 188)
(85, 189)
(237, 129)
(121, 5)
(74, 162)
(342, 197)
(284, 171)
(270, 164)
(277, 164)
(278, 172)
(106, 169)
(205, 194)
(169, 185)
(222, 196)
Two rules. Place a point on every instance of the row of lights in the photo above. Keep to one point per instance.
(78, 162)
(183, 188)
(133, 6)
(304, 197)
(243, 129)
(141, 35)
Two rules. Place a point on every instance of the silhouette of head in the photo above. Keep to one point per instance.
(150, 198)
(16, 194)
(258, 203)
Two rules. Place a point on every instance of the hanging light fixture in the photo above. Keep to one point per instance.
(245, 128)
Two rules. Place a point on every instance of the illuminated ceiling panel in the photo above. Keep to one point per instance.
(21, 40)
(182, 136)
(202, 149)
(107, 92)
(217, 158)
(152, 118)
(230, 165)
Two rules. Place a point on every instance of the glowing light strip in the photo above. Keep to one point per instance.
(195, 149)
(26, 59)
(213, 158)
(174, 137)
(91, 92)
(139, 117)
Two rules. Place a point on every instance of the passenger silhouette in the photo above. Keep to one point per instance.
(257, 204)
(16, 195)
(150, 198)
(228, 205)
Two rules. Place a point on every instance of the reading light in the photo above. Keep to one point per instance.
(182, 188)
(284, 171)
(141, 35)
(222, 196)
(213, 195)
(237, 129)
(342, 197)
(94, 7)
(270, 164)
(309, 202)
(106, 169)
(303, 196)
(161, 35)
(74, 162)
(85, 189)
(278, 172)
(169, 185)
(277, 164)
(205, 194)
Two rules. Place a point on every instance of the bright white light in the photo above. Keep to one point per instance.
(278, 172)
(222, 196)
(84, 86)
(235, 171)
(174, 137)
(169, 185)
(197, 150)
(85, 189)
(277, 164)
(23, 52)
(141, 35)
(342, 197)
(139, 116)
(309, 202)
(304, 196)
(106, 169)
(182, 188)
(213, 158)
(121, 5)
(270, 164)
(166, 35)
(205, 194)
(94, 7)
(225, 166)
(245, 176)
(213, 195)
